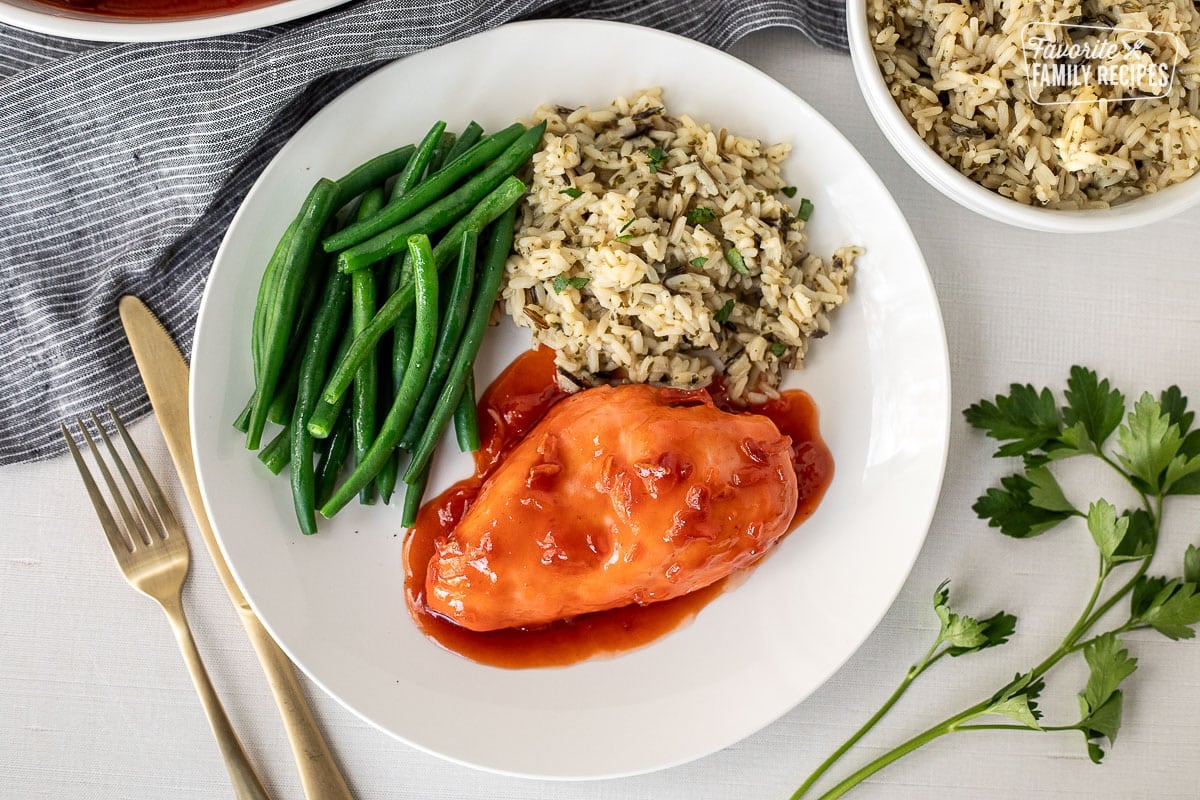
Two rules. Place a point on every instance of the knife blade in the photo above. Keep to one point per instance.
(166, 376)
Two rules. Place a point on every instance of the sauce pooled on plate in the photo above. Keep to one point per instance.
(726, 489)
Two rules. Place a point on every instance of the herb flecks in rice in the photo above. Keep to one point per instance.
(676, 259)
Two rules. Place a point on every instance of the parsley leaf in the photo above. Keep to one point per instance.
(805, 210)
(1145, 589)
(562, 283)
(1191, 564)
(1045, 493)
(698, 262)
(1094, 404)
(1109, 664)
(1018, 702)
(726, 310)
(1011, 509)
(1173, 610)
(1024, 419)
(733, 257)
(1174, 405)
(996, 631)
(1107, 529)
(1104, 722)
(1148, 441)
(656, 157)
(1139, 538)
(1100, 703)
(1184, 477)
(778, 349)
(789, 191)
(1183, 473)
(700, 215)
(625, 238)
(571, 192)
(966, 634)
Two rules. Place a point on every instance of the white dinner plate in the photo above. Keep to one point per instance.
(79, 24)
(335, 601)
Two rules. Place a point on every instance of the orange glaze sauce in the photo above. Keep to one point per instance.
(508, 410)
(155, 9)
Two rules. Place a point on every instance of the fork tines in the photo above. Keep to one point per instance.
(139, 530)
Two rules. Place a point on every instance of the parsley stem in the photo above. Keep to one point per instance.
(1002, 727)
(1082, 624)
(928, 660)
(1127, 587)
(1118, 595)
(1129, 479)
(1130, 625)
(948, 725)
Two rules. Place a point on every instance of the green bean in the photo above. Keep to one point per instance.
(278, 451)
(326, 328)
(466, 140)
(293, 274)
(403, 344)
(389, 383)
(413, 492)
(489, 209)
(333, 458)
(390, 369)
(435, 189)
(389, 380)
(366, 385)
(266, 290)
(499, 242)
(453, 321)
(426, 284)
(415, 168)
(445, 145)
(372, 173)
(503, 197)
(466, 418)
(401, 350)
(280, 411)
(324, 416)
(242, 423)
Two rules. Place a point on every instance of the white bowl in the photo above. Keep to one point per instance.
(34, 16)
(969, 194)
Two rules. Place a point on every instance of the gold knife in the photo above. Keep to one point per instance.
(165, 374)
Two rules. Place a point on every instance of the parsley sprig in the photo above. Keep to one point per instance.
(1154, 449)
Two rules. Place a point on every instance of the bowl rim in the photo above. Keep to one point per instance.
(953, 184)
(32, 16)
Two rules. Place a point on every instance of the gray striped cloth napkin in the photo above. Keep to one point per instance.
(122, 165)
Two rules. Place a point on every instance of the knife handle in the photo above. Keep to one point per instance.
(319, 773)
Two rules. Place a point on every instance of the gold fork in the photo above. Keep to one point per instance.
(153, 556)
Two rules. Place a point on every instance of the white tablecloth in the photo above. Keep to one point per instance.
(95, 702)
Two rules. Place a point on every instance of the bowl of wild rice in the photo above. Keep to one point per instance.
(950, 86)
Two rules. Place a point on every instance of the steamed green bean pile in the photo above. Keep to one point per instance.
(371, 311)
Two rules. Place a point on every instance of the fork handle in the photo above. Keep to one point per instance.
(246, 785)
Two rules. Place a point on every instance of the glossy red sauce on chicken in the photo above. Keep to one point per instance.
(508, 411)
(155, 9)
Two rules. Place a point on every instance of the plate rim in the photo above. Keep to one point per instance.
(942, 369)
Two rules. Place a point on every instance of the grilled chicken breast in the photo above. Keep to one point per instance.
(628, 494)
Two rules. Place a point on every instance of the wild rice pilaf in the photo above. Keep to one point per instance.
(651, 247)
